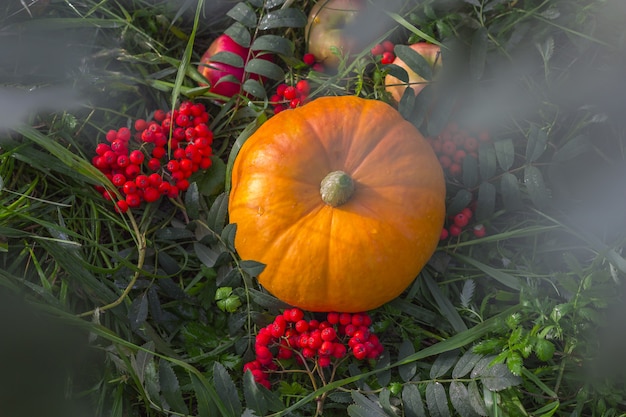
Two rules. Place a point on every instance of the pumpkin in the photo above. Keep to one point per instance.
(343, 201)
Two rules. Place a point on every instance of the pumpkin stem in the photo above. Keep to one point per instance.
(336, 188)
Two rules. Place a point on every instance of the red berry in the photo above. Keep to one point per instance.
(132, 171)
(309, 59)
(154, 163)
(333, 318)
(328, 334)
(388, 45)
(121, 206)
(448, 148)
(455, 169)
(468, 212)
(142, 181)
(164, 188)
(303, 87)
(136, 157)
(290, 93)
(461, 220)
(129, 187)
(172, 166)
(140, 125)
(359, 351)
(102, 148)
(280, 90)
(445, 161)
(479, 230)
(470, 144)
(358, 319)
(118, 180)
(444, 234)
(345, 318)
(378, 49)
(151, 194)
(295, 102)
(455, 230)
(339, 350)
(459, 156)
(387, 58)
(275, 99)
(324, 361)
(123, 134)
(133, 200)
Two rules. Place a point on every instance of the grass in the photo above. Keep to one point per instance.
(153, 313)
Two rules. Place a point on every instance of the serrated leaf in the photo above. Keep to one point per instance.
(226, 390)
(544, 349)
(170, 388)
(486, 201)
(537, 191)
(475, 399)
(498, 377)
(143, 360)
(283, 18)
(265, 68)
(217, 213)
(460, 200)
(487, 163)
(273, 43)
(416, 62)
(505, 153)
(408, 370)
(267, 301)
(481, 366)
(478, 53)
(205, 254)
(244, 14)
(138, 312)
(436, 400)
(509, 189)
(385, 403)
(467, 293)
(573, 148)
(228, 58)
(443, 363)
(537, 143)
(255, 88)
(470, 171)
(412, 401)
(252, 268)
(360, 411)
(192, 201)
(364, 404)
(459, 397)
(239, 33)
(206, 406)
(466, 363)
(515, 363)
(253, 395)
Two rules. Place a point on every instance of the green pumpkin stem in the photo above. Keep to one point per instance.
(336, 188)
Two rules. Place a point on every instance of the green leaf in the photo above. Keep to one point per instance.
(440, 113)
(255, 399)
(414, 61)
(436, 400)
(499, 275)
(475, 399)
(572, 148)
(505, 153)
(205, 254)
(467, 292)
(398, 72)
(487, 163)
(408, 370)
(192, 201)
(266, 300)
(211, 182)
(138, 312)
(252, 268)
(486, 201)
(515, 362)
(537, 143)
(478, 53)
(228, 58)
(407, 104)
(205, 405)
(244, 14)
(465, 364)
(273, 43)
(364, 407)
(217, 213)
(470, 171)
(445, 305)
(255, 88)
(498, 377)
(265, 68)
(443, 363)
(544, 349)
(459, 397)
(240, 34)
(537, 191)
(460, 200)
(226, 390)
(170, 388)
(228, 236)
(283, 18)
(385, 403)
(509, 189)
(412, 401)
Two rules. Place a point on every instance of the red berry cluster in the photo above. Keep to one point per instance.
(161, 157)
(453, 144)
(458, 222)
(290, 336)
(384, 50)
(289, 96)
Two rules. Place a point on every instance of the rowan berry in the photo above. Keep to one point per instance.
(303, 87)
(461, 220)
(123, 134)
(121, 206)
(140, 125)
(142, 181)
(333, 318)
(280, 90)
(479, 230)
(378, 49)
(182, 185)
(309, 59)
(173, 166)
(151, 194)
(345, 318)
(136, 157)
(470, 144)
(359, 351)
(159, 115)
(206, 163)
(448, 148)
(111, 135)
(110, 157)
(444, 234)
(131, 171)
(118, 180)
(295, 102)
(455, 230)
(324, 361)
(328, 334)
(388, 45)
(387, 58)
(290, 93)
(455, 169)
(339, 350)
(129, 187)
(133, 200)
(102, 148)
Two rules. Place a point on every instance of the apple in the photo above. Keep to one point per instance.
(396, 87)
(325, 29)
(215, 71)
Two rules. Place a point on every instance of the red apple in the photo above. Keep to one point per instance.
(215, 71)
(430, 52)
(325, 29)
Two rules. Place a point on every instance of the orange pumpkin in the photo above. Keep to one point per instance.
(342, 200)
